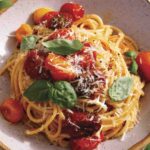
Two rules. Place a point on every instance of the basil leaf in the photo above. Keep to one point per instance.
(121, 88)
(134, 67)
(147, 147)
(28, 42)
(63, 46)
(38, 91)
(5, 4)
(131, 54)
(63, 94)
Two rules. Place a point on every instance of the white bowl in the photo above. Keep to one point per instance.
(132, 16)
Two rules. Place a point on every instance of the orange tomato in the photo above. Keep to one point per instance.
(23, 30)
(143, 61)
(39, 13)
(12, 110)
(59, 68)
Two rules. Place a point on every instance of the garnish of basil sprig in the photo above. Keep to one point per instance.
(63, 46)
(5, 4)
(121, 88)
(28, 42)
(133, 68)
(61, 93)
(58, 46)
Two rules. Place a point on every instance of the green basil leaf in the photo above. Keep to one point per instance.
(121, 88)
(131, 54)
(63, 46)
(134, 67)
(147, 147)
(28, 42)
(63, 94)
(38, 91)
(5, 4)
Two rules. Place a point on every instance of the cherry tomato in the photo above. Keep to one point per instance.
(79, 124)
(34, 65)
(59, 68)
(62, 33)
(76, 10)
(23, 30)
(86, 143)
(62, 20)
(87, 56)
(12, 110)
(143, 61)
(39, 13)
(47, 18)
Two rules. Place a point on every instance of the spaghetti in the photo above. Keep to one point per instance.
(115, 118)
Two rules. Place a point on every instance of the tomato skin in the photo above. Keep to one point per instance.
(59, 68)
(12, 110)
(143, 61)
(79, 124)
(62, 33)
(87, 56)
(76, 10)
(46, 19)
(86, 143)
(34, 65)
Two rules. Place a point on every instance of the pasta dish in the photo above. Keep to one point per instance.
(74, 78)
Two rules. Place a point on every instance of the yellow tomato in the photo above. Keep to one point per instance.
(39, 13)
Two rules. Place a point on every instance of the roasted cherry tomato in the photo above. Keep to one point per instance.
(87, 55)
(34, 65)
(62, 20)
(12, 110)
(143, 61)
(47, 18)
(76, 10)
(59, 68)
(85, 143)
(80, 124)
(62, 33)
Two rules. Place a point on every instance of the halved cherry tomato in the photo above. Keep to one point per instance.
(62, 33)
(12, 110)
(86, 143)
(76, 10)
(34, 65)
(143, 61)
(80, 124)
(87, 56)
(59, 68)
(47, 18)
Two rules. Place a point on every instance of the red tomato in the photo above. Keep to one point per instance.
(59, 67)
(87, 56)
(12, 110)
(46, 19)
(143, 61)
(86, 143)
(80, 124)
(76, 10)
(34, 65)
(62, 33)
(61, 20)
